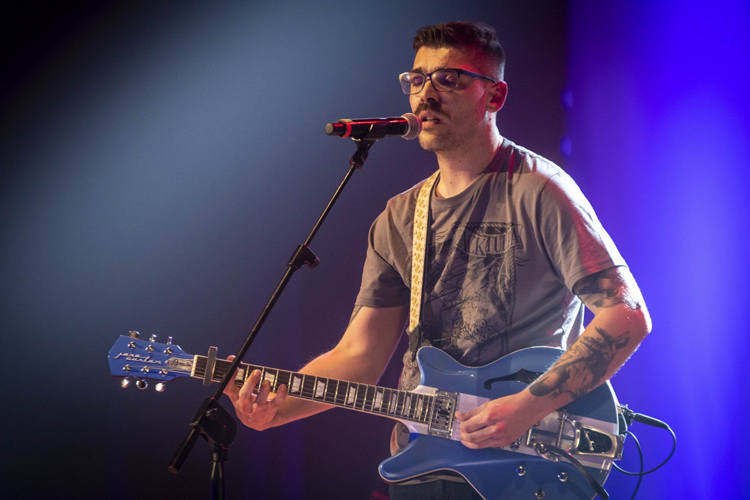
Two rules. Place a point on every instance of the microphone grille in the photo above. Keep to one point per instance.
(414, 128)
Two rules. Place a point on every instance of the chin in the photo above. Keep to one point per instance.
(434, 144)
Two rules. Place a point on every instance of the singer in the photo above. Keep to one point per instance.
(511, 255)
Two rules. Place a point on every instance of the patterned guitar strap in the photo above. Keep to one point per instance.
(419, 250)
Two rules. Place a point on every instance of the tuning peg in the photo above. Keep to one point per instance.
(169, 340)
(152, 338)
(159, 387)
(141, 384)
(133, 334)
(125, 383)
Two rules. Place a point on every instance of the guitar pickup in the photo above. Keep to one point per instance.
(443, 413)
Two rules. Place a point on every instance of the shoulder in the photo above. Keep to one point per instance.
(536, 175)
(400, 208)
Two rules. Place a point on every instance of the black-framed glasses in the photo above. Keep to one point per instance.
(443, 79)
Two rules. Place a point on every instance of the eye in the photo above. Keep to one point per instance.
(416, 79)
(446, 78)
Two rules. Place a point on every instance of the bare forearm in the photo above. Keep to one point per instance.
(360, 356)
(620, 323)
(603, 348)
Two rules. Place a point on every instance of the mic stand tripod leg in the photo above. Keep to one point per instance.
(218, 457)
(214, 424)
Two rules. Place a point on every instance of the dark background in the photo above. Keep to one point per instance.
(161, 161)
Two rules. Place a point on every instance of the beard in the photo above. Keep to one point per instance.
(438, 143)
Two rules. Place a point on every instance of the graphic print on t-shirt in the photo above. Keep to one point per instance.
(470, 278)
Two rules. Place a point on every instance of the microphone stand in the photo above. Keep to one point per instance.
(212, 422)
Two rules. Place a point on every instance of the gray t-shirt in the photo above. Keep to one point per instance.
(502, 259)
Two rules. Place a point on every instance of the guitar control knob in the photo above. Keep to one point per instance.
(521, 470)
(539, 494)
(141, 384)
(562, 476)
(160, 387)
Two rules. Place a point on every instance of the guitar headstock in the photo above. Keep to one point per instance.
(143, 360)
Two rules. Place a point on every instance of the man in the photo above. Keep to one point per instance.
(514, 250)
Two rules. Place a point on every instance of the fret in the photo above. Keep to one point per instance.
(330, 390)
(295, 384)
(351, 395)
(336, 394)
(386, 400)
(400, 403)
(369, 397)
(377, 404)
(393, 403)
(342, 391)
(268, 374)
(413, 401)
(320, 388)
(361, 397)
(283, 379)
(308, 386)
(425, 408)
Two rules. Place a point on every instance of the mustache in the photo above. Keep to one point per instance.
(432, 106)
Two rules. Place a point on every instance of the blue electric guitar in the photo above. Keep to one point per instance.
(567, 455)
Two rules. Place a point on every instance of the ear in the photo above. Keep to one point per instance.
(497, 94)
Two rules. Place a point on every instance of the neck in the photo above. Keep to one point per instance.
(459, 169)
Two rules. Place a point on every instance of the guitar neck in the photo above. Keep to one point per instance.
(394, 403)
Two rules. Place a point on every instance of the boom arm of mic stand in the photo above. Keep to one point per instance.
(211, 417)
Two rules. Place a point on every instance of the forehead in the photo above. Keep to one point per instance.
(429, 59)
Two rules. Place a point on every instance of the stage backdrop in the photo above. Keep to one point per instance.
(161, 161)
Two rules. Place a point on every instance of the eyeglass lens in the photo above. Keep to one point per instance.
(444, 80)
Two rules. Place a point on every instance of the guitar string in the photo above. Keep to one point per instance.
(420, 406)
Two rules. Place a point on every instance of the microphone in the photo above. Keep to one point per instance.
(407, 126)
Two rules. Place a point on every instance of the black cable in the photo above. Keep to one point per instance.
(639, 474)
(674, 447)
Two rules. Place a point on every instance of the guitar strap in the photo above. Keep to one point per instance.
(419, 249)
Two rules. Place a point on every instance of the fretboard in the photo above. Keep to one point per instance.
(366, 398)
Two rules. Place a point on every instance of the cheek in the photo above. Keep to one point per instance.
(413, 102)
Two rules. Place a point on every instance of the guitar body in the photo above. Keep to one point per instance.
(494, 472)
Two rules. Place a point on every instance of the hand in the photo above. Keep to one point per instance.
(496, 423)
(256, 411)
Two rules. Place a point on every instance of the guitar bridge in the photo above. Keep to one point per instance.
(443, 411)
(589, 441)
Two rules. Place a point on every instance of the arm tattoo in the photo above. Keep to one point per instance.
(604, 289)
(354, 313)
(582, 368)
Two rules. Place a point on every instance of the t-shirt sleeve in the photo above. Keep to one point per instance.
(575, 240)
(383, 282)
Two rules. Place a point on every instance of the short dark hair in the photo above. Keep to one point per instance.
(479, 37)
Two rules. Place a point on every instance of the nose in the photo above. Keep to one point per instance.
(428, 92)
